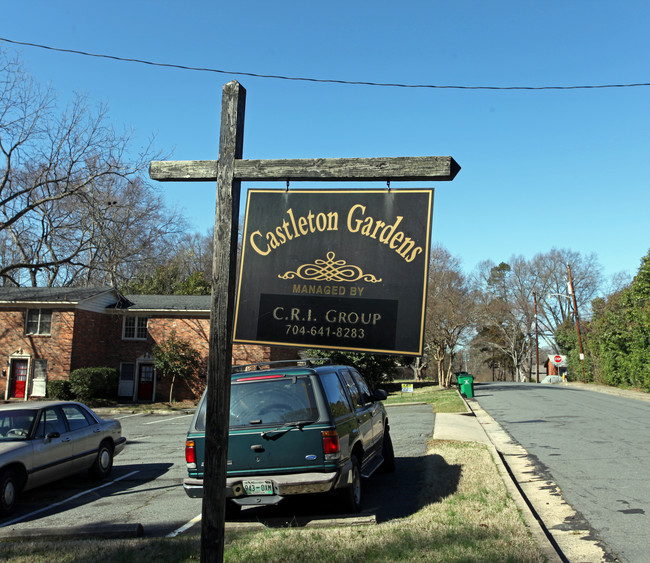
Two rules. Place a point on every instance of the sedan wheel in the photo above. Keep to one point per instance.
(103, 462)
(8, 491)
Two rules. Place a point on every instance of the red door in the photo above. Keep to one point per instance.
(18, 378)
(145, 383)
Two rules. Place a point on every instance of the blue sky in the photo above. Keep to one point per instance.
(540, 169)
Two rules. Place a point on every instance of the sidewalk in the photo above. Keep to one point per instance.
(461, 427)
(465, 427)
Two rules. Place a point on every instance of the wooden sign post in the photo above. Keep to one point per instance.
(229, 171)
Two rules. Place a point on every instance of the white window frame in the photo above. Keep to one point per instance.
(139, 327)
(39, 322)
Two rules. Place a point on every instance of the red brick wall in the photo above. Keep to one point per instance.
(55, 348)
(91, 334)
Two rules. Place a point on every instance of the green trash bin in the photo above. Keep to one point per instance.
(466, 383)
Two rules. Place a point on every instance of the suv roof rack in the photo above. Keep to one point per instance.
(307, 362)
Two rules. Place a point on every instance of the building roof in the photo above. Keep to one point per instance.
(145, 304)
(58, 295)
(168, 303)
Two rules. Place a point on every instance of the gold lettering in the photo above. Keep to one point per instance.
(293, 226)
(257, 248)
(293, 222)
(378, 225)
(396, 240)
(281, 238)
(413, 254)
(407, 246)
(355, 228)
(388, 231)
(273, 242)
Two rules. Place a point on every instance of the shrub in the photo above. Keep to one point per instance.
(87, 384)
(59, 389)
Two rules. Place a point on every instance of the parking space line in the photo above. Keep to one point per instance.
(167, 419)
(128, 416)
(45, 509)
(184, 527)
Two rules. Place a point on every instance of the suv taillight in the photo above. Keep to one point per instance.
(190, 453)
(331, 446)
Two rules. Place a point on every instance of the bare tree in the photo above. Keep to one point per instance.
(131, 231)
(450, 311)
(555, 305)
(508, 318)
(57, 170)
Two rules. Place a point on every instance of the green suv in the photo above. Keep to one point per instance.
(295, 431)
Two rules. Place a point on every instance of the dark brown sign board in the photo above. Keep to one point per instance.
(335, 269)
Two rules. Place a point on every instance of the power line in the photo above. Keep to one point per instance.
(321, 80)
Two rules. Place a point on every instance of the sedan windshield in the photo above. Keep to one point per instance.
(16, 424)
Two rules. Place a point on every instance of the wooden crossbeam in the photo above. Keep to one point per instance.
(413, 168)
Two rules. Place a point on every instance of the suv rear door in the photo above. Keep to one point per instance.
(274, 425)
(361, 408)
(374, 408)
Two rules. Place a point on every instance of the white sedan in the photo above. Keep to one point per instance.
(43, 441)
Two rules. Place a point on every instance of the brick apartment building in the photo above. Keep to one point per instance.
(45, 333)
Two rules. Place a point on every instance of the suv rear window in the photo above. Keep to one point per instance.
(269, 401)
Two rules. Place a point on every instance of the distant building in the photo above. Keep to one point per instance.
(554, 367)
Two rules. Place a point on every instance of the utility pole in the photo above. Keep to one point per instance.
(575, 310)
(536, 338)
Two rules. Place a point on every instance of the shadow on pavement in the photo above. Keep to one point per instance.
(80, 489)
(416, 482)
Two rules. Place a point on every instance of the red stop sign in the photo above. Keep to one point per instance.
(557, 359)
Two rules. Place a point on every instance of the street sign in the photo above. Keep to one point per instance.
(557, 360)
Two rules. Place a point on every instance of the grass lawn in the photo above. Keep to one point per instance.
(466, 516)
(443, 400)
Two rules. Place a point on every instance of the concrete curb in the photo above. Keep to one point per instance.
(314, 522)
(115, 531)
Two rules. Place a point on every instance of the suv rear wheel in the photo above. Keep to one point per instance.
(351, 495)
(387, 453)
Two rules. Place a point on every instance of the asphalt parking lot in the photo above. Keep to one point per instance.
(144, 493)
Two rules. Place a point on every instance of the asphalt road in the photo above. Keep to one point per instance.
(595, 446)
(145, 486)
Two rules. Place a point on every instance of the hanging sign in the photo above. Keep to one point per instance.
(335, 269)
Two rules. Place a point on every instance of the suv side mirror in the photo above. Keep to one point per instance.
(380, 395)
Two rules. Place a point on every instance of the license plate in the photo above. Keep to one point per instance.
(258, 487)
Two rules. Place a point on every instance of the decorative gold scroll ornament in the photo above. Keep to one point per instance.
(330, 270)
